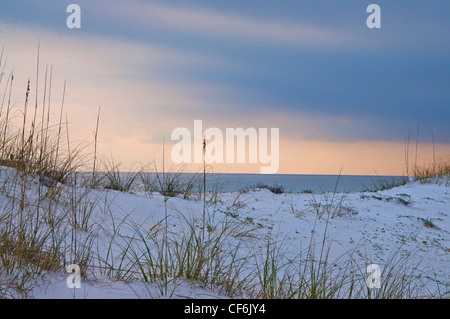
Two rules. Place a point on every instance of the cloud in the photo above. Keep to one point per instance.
(141, 87)
(231, 25)
(347, 31)
(234, 25)
(165, 75)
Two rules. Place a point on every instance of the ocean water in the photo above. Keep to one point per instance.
(289, 182)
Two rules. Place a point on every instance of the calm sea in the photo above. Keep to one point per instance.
(289, 183)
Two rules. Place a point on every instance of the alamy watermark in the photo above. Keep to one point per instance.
(74, 279)
(373, 21)
(73, 21)
(230, 148)
(374, 276)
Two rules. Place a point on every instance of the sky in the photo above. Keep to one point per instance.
(342, 95)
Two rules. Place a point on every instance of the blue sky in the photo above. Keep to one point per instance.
(312, 68)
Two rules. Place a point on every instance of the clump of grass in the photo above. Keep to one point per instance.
(427, 222)
(34, 233)
(385, 183)
(165, 258)
(276, 189)
(404, 201)
(311, 274)
(292, 208)
(79, 208)
(38, 148)
(148, 180)
(435, 169)
(331, 206)
(173, 182)
(28, 246)
(117, 180)
(320, 278)
(273, 279)
(400, 278)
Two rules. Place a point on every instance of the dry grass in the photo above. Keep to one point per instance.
(436, 168)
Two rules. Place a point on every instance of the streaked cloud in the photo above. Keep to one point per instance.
(324, 80)
(217, 24)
